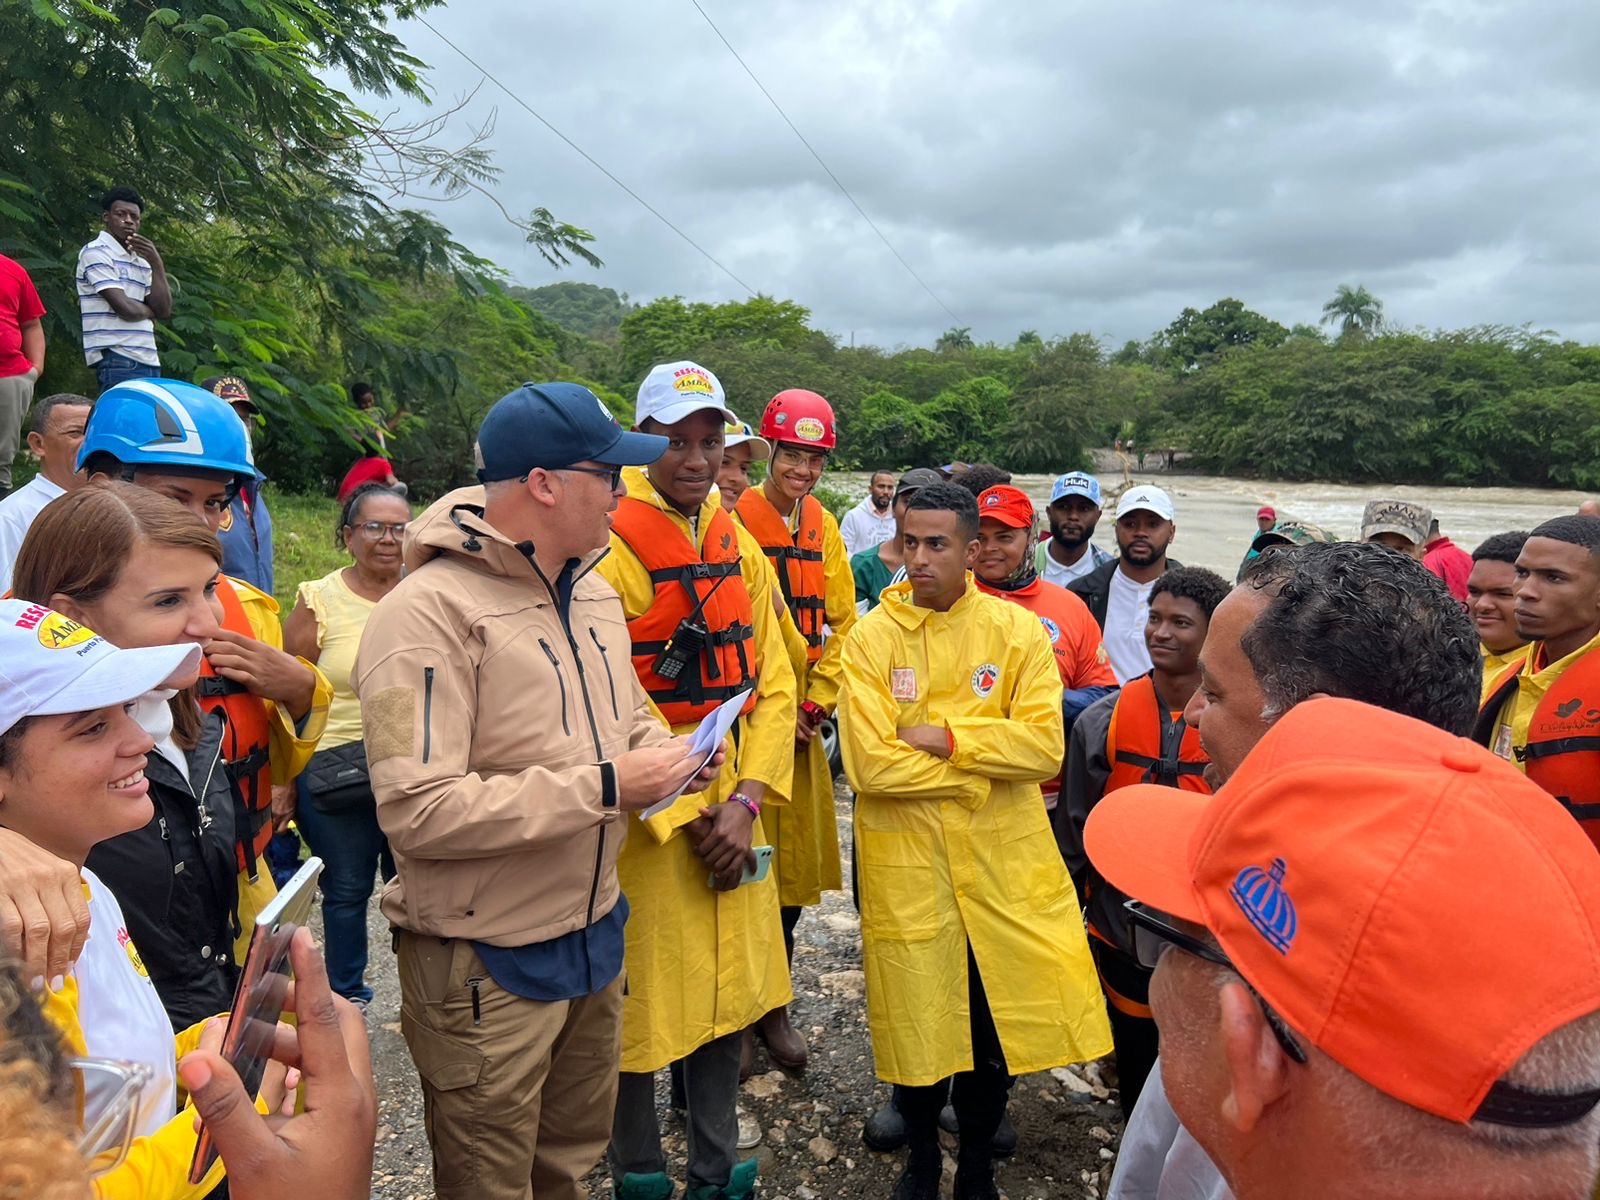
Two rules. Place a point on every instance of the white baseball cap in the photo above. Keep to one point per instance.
(738, 433)
(1145, 498)
(672, 391)
(50, 664)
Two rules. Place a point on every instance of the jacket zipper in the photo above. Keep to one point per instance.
(561, 682)
(611, 682)
(427, 712)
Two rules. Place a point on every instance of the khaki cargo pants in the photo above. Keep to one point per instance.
(518, 1094)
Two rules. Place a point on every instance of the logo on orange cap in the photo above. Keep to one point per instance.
(1260, 895)
(1006, 504)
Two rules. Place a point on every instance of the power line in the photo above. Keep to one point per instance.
(836, 182)
(587, 157)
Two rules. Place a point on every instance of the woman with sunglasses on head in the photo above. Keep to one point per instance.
(72, 775)
(142, 571)
(336, 812)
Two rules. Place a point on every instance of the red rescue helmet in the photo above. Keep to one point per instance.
(800, 418)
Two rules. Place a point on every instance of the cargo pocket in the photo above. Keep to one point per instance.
(899, 885)
(445, 1065)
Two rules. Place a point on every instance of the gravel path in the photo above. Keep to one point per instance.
(812, 1121)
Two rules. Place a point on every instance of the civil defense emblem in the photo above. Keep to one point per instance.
(983, 680)
(1051, 628)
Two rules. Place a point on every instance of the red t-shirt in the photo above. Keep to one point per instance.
(365, 470)
(19, 303)
(1450, 563)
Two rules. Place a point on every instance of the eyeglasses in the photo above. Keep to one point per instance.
(113, 1089)
(373, 531)
(612, 475)
(1153, 935)
(800, 458)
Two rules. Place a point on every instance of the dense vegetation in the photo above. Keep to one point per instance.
(275, 198)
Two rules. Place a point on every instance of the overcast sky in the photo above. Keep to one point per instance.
(1050, 165)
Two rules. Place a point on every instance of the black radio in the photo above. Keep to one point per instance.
(685, 645)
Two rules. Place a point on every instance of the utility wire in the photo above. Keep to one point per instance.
(587, 157)
(836, 182)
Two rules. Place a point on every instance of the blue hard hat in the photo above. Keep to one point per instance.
(168, 423)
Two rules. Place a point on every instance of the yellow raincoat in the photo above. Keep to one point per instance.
(959, 850)
(805, 834)
(288, 749)
(702, 963)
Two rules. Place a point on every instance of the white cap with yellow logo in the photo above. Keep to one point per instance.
(675, 390)
(50, 664)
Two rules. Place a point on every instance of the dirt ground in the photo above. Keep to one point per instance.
(811, 1122)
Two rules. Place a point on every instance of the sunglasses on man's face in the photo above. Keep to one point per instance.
(1154, 933)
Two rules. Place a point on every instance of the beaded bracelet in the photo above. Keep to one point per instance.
(741, 798)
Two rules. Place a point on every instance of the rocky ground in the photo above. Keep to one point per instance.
(811, 1122)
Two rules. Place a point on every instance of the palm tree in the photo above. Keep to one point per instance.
(1357, 311)
(955, 339)
(1029, 337)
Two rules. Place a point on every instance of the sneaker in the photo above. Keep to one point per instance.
(655, 1186)
(749, 1131)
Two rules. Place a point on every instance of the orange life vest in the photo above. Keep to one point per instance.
(1563, 751)
(1134, 744)
(797, 558)
(244, 741)
(706, 585)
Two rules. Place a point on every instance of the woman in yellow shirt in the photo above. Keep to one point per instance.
(325, 628)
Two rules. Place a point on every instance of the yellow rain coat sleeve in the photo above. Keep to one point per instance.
(289, 749)
(958, 853)
(839, 598)
(701, 963)
(157, 1166)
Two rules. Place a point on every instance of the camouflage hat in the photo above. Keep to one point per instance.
(1409, 520)
(1291, 533)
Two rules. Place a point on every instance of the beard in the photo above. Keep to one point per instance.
(1145, 558)
(880, 504)
(1068, 541)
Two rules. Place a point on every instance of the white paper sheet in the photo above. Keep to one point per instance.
(707, 736)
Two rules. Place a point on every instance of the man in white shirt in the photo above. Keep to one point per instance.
(122, 293)
(57, 432)
(1118, 592)
(1067, 555)
(870, 523)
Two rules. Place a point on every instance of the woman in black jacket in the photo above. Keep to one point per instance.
(141, 570)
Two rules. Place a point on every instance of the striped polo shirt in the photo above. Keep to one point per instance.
(102, 264)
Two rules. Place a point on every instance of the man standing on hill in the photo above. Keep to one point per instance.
(1068, 554)
(21, 357)
(1544, 713)
(1118, 592)
(1492, 604)
(122, 292)
(870, 522)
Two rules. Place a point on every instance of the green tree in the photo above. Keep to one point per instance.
(1198, 336)
(954, 339)
(1357, 312)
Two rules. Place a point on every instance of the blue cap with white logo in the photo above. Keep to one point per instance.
(554, 425)
(1076, 483)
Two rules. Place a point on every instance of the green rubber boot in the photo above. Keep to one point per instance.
(645, 1187)
(741, 1185)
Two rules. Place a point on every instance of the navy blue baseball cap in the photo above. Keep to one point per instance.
(554, 425)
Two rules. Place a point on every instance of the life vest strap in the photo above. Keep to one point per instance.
(694, 571)
(212, 687)
(247, 767)
(788, 551)
(1158, 770)
(1586, 744)
(699, 694)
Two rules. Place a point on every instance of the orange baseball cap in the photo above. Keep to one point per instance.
(1413, 905)
(1006, 504)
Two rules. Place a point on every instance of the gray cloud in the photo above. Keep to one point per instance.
(1064, 166)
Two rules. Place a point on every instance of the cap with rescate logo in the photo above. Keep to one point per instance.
(1341, 870)
(51, 664)
(675, 390)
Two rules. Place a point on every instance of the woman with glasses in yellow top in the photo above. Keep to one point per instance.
(335, 811)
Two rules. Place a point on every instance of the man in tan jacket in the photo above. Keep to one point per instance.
(507, 738)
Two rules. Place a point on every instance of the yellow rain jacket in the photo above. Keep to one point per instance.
(805, 834)
(288, 749)
(959, 850)
(702, 963)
